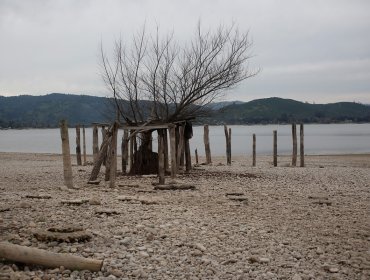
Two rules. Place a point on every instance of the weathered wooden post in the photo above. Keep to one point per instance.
(254, 150)
(228, 144)
(95, 143)
(187, 154)
(84, 143)
(132, 148)
(165, 144)
(196, 156)
(206, 144)
(124, 151)
(67, 166)
(173, 151)
(275, 148)
(103, 133)
(78, 145)
(180, 149)
(161, 170)
(103, 151)
(113, 156)
(301, 150)
(294, 137)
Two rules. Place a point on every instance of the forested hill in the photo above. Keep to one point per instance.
(278, 110)
(46, 111)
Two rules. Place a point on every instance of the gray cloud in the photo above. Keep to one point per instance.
(308, 50)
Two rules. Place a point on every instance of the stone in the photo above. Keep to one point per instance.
(94, 201)
(126, 241)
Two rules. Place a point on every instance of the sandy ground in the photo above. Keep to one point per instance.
(296, 223)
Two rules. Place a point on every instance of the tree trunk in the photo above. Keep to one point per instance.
(78, 145)
(95, 143)
(206, 144)
(145, 161)
(67, 166)
(84, 143)
(294, 137)
(34, 256)
(103, 133)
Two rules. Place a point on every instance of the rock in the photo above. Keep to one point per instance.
(200, 247)
(264, 260)
(296, 277)
(94, 201)
(64, 188)
(144, 254)
(116, 272)
(32, 224)
(126, 241)
(24, 204)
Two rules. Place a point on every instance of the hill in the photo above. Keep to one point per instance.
(278, 110)
(46, 111)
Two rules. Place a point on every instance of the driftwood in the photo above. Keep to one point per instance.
(78, 145)
(137, 199)
(94, 182)
(74, 201)
(35, 256)
(38, 196)
(62, 235)
(301, 150)
(238, 198)
(174, 187)
(98, 162)
(108, 212)
(228, 144)
(95, 143)
(294, 138)
(84, 143)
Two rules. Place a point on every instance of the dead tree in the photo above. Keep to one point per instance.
(158, 80)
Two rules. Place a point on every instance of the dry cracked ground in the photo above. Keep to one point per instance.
(239, 223)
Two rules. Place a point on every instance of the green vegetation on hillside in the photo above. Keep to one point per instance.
(46, 111)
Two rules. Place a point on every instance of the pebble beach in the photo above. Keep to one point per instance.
(240, 222)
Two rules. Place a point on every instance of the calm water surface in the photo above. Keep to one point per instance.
(319, 139)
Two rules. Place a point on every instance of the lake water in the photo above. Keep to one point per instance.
(319, 139)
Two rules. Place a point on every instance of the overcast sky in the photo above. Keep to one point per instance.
(308, 50)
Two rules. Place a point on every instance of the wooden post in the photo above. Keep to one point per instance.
(294, 137)
(275, 148)
(132, 148)
(254, 150)
(35, 256)
(161, 170)
(124, 150)
(67, 166)
(165, 144)
(113, 157)
(103, 133)
(95, 143)
(78, 145)
(100, 158)
(206, 144)
(84, 143)
(196, 156)
(187, 154)
(173, 151)
(301, 150)
(228, 144)
(180, 150)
